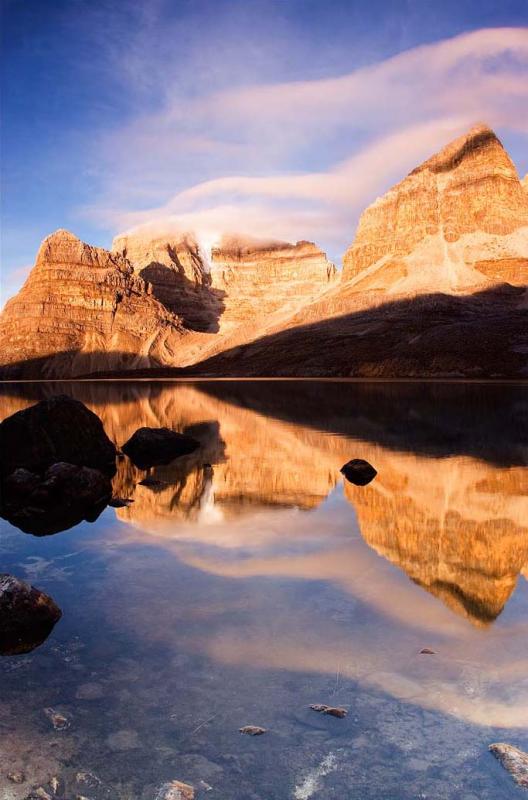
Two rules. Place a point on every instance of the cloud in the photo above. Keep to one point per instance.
(301, 159)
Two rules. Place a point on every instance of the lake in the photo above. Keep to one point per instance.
(251, 580)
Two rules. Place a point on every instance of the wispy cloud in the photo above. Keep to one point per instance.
(301, 159)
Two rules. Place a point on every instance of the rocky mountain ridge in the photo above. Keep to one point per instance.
(83, 309)
(455, 222)
(455, 227)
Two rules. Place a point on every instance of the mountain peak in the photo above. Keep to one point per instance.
(459, 220)
(480, 139)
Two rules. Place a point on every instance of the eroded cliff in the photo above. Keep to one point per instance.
(458, 221)
(423, 291)
(82, 309)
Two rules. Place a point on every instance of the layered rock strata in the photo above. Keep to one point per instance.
(462, 537)
(82, 310)
(178, 271)
(459, 220)
(262, 278)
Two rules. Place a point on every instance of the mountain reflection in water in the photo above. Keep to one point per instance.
(263, 498)
(457, 525)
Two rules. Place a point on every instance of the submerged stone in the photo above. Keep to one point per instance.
(27, 616)
(358, 471)
(253, 730)
(16, 777)
(175, 790)
(59, 721)
(515, 761)
(148, 447)
(333, 711)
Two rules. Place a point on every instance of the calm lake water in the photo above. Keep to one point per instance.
(254, 581)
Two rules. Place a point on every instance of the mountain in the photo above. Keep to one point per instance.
(456, 222)
(83, 309)
(264, 278)
(178, 271)
(433, 285)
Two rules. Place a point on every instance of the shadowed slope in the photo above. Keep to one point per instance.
(484, 335)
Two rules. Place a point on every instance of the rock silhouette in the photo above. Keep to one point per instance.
(358, 471)
(56, 466)
(57, 429)
(149, 447)
(61, 497)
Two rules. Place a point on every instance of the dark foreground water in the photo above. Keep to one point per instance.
(240, 593)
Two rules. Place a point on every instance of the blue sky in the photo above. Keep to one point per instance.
(280, 118)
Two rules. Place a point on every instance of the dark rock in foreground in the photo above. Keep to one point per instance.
(27, 616)
(148, 447)
(513, 760)
(359, 472)
(64, 495)
(57, 429)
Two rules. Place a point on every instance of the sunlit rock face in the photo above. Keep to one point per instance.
(457, 526)
(441, 259)
(262, 277)
(245, 288)
(178, 271)
(244, 279)
(458, 221)
(83, 310)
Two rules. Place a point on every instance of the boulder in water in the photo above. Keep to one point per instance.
(513, 760)
(333, 711)
(27, 616)
(359, 472)
(58, 429)
(148, 447)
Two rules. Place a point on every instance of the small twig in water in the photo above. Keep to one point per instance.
(338, 673)
(202, 724)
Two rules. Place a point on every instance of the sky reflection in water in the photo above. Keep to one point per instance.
(241, 592)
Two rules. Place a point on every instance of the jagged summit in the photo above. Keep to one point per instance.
(64, 247)
(458, 221)
(242, 279)
(478, 137)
